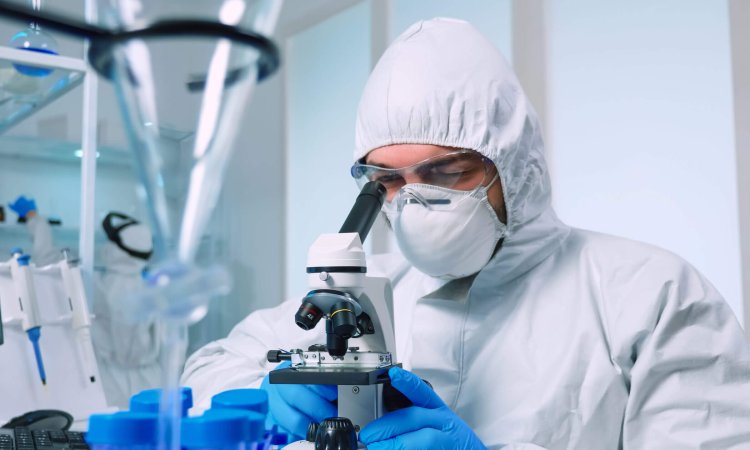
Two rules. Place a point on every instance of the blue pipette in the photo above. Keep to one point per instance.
(34, 334)
(22, 278)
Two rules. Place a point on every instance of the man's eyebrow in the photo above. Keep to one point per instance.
(375, 163)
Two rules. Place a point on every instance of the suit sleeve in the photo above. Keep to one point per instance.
(239, 360)
(687, 362)
(43, 250)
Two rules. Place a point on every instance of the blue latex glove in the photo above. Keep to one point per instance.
(23, 206)
(429, 424)
(293, 406)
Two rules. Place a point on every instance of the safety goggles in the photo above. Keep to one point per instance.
(462, 170)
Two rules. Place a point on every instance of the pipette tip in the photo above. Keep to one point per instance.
(34, 334)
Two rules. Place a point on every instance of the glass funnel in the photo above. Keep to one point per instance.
(182, 98)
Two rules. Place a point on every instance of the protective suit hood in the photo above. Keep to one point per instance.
(441, 82)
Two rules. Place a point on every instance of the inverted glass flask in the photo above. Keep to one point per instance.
(182, 96)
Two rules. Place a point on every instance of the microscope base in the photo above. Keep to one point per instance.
(349, 376)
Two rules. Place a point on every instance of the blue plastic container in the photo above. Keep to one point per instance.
(123, 431)
(244, 399)
(218, 430)
(148, 401)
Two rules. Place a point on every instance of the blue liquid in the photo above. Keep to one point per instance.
(33, 71)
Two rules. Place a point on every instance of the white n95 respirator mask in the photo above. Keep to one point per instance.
(443, 232)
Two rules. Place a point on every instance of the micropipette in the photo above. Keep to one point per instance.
(21, 273)
(71, 275)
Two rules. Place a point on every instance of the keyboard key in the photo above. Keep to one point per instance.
(75, 436)
(58, 436)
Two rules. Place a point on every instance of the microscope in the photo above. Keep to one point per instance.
(356, 308)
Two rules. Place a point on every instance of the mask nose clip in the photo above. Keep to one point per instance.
(412, 197)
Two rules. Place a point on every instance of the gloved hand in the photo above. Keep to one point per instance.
(23, 206)
(293, 406)
(429, 424)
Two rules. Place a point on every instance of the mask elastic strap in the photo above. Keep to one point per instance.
(495, 178)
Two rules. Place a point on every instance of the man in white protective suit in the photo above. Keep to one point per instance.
(532, 333)
(127, 353)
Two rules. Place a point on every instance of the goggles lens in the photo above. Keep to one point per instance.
(463, 170)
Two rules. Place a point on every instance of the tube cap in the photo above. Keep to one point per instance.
(244, 399)
(215, 429)
(256, 422)
(148, 401)
(123, 428)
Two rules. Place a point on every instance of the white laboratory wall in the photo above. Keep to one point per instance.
(492, 17)
(326, 67)
(642, 133)
(739, 11)
(116, 190)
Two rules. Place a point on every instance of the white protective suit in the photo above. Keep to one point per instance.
(127, 354)
(567, 339)
(43, 251)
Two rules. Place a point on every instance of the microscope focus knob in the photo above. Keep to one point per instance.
(277, 356)
(336, 433)
(312, 431)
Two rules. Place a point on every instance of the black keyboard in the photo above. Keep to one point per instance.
(25, 439)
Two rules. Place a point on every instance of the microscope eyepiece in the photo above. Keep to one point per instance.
(308, 316)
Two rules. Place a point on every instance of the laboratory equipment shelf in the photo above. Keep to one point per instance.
(22, 95)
